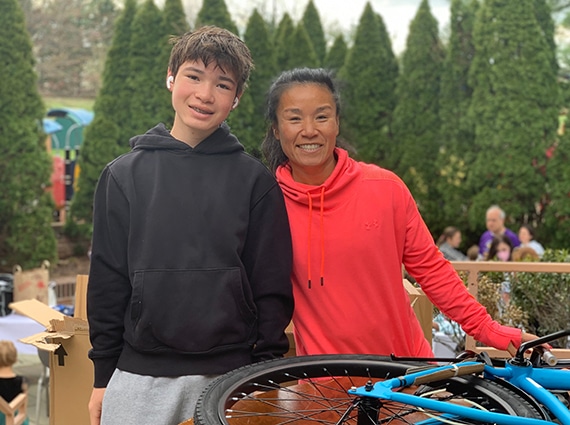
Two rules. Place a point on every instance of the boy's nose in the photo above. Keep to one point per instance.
(205, 94)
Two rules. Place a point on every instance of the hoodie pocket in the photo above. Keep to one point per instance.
(190, 310)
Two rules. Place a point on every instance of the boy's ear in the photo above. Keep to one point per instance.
(169, 81)
(236, 100)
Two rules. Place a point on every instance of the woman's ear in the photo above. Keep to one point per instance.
(275, 133)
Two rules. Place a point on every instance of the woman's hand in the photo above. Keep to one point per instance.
(525, 337)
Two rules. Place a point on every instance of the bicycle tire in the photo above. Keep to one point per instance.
(217, 404)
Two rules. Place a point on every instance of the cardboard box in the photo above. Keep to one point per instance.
(422, 307)
(71, 371)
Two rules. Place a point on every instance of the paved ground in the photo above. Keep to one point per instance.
(31, 367)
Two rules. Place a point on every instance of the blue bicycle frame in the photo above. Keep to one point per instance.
(519, 371)
(534, 381)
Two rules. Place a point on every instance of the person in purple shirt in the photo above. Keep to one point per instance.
(495, 221)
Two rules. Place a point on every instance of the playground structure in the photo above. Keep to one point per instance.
(64, 128)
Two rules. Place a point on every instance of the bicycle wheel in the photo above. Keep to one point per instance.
(313, 389)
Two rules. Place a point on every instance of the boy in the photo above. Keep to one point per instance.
(191, 253)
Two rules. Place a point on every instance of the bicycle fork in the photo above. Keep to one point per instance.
(368, 409)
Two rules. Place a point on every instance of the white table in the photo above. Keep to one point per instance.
(15, 326)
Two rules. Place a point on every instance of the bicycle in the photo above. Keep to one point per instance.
(366, 389)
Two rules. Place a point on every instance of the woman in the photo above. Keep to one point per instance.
(526, 236)
(448, 243)
(353, 226)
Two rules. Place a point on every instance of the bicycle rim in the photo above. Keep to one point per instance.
(313, 390)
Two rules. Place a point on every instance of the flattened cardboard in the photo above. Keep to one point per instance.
(71, 372)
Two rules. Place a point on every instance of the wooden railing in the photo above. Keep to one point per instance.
(473, 268)
(65, 293)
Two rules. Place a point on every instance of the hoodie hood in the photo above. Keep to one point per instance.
(158, 137)
(333, 190)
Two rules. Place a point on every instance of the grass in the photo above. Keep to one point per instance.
(68, 102)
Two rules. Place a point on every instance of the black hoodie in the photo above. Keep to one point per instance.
(191, 260)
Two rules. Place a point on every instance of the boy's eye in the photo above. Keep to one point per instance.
(224, 86)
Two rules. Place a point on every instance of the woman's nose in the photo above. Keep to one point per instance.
(309, 128)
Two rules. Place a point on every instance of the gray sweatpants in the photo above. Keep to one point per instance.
(132, 399)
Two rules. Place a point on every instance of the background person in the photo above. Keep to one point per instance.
(473, 253)
(11, 384)
(526, 236)
(353, 227)
(448, 243)
(495, 222)
(501, 249)
(191, 256)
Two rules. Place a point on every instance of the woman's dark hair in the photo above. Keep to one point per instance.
(495, 243)
(448, 233)
(271, 147)
(530, 230)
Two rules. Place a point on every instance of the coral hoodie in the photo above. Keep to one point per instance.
(351, 236)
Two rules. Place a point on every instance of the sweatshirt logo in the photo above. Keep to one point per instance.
(370, 225)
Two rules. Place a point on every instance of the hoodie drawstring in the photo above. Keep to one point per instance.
(322, 234)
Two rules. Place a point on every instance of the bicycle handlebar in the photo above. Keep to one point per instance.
(546, 355)
(536, 343)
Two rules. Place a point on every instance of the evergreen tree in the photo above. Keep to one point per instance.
(175, 24)
(282, 41)
(312, 23)
(301, 51)
(456, 131)
(543, 13)
(114, 97)
(337, 54)
(26, 236)
(215, 12)
(258, 40)
(370, 74)
(244, 123)
(174, 18)
(109, 133)
(556, 203)
(513, 108)
(147, 79)
(416, 118)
